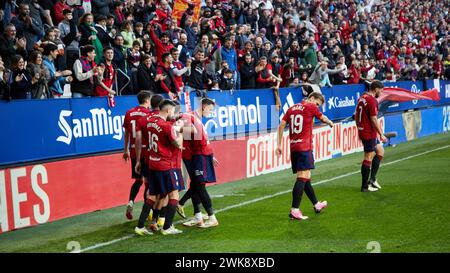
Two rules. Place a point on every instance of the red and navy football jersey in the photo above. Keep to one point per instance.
(200, 144)
(366, 107)
(300, 118)
(187, 119)
(176, 152)
(130, 123)
(161, 135)
(142, 123)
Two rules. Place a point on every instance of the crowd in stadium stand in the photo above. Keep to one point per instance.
(106, 48)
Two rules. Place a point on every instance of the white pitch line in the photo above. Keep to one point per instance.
(267, 197)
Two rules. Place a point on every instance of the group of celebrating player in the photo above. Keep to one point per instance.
(157, 141)
(159, 138)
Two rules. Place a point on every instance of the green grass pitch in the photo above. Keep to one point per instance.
(410, 214)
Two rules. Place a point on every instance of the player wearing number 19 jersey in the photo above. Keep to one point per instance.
(130, 122)
(300, 119)
(368, 129)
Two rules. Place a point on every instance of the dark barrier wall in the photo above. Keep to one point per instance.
(46, 129)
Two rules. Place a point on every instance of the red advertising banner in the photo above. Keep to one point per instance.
(42, 193)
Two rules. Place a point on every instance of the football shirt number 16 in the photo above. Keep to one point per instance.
(153, 139)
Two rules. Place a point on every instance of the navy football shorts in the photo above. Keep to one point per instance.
(370, 144)
(302, 161)
(179, 179)
(144, 169)
(189, 168)
(164, 182)
(203, 169)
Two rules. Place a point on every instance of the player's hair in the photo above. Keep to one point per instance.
(174, 49)
(136, 43)
(156, 100)
(84, 50)
(226, 70)
(9, 26)
(375, 85)
(146, 57)
(165, 56)
(49, 48)
(165, 104)
(107, 48)
(207, 101)
(198, 51)
(143, 96)
(177, 106)
(317, 96)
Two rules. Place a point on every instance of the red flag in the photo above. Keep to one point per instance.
(401, 95)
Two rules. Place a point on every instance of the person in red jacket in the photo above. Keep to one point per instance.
(163, 13)
(162, 45)
(265, 77)
(354, 73)
(58, 9)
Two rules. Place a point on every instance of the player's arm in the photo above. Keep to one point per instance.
(326, 120)
(126, 147)
(280, 136)
(138, 144)
(178, 141)
(376, 124)
(175, 137)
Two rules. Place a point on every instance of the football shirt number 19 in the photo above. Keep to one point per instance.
(296, 124)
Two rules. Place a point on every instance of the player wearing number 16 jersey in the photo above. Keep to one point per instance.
(163, 178)
(368, 129)
(130, 122)
(300, 119)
